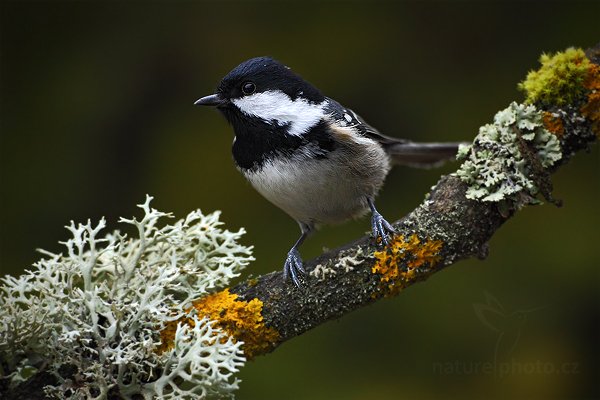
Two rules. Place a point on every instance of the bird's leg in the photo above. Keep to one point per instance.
(379, 225)
(293, 262)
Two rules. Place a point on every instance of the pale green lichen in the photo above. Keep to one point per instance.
(100, 308)
(348, 261)
(495, 166)
(322, 272)
(345, 263)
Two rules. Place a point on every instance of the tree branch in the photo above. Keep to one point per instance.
(447, 219)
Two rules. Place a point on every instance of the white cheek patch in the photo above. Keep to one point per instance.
(274, 105)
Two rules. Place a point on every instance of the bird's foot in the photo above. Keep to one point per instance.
(381, 228)
(293, 267)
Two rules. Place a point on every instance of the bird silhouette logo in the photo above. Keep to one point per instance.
(508, 325)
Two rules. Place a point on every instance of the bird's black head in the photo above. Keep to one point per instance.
(262, 74)
(272, 110)
(256, 86)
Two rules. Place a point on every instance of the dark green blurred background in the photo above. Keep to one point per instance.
(96, 111)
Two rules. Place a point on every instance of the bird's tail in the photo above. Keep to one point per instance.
(421, 155)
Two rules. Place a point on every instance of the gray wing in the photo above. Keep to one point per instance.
(401, 151)
(346, 117)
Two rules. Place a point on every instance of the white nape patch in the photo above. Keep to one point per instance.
(348, 117)
(274, 106)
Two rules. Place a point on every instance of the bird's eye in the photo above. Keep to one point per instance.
(248, 87)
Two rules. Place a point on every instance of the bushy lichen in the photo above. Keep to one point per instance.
(99, 309)
(566, 78)
(242, 320)
(560, 78)
(404, 261)
(498, 165)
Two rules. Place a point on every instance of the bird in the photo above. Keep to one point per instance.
(315, 159)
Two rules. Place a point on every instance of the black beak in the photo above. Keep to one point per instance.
(212, 100)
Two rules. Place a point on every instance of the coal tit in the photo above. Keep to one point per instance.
(315, 159)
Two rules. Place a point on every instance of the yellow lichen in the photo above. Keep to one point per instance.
(405, 261)
(591, 109)
(560, 78)
(242, 320)
(553, 123)
(563, 78)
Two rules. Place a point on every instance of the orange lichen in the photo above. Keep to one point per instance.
(592, 80)
(242, 320)
(591, 109)
(405, 261)
(553, 123)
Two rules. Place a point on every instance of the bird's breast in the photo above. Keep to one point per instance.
(323, 190)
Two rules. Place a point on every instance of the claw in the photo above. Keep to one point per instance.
(293, 267)
(381, 228)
